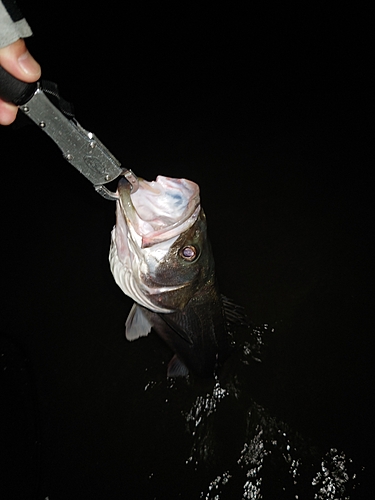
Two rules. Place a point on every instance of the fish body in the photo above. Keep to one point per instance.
(161, 257)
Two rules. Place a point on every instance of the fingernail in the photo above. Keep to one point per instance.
(29, 65)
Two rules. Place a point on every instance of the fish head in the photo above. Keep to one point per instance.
(160, 253)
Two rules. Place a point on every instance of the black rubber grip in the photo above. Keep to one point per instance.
(15, 91)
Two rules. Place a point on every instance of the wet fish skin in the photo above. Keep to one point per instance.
(197, 334)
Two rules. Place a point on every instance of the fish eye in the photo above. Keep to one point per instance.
(188, 253)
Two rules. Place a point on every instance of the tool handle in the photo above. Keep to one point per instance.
(13, 90)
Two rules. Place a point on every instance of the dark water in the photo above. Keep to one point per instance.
(272, 116)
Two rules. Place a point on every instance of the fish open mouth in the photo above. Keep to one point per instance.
(148, 221)
(159, 210)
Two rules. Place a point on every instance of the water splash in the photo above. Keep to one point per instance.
(255, 343)
(252, 456)
(332, 477)
(237, 449)
(276, 459)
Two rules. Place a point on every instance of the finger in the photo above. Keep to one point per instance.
(17, 60)
(8, 113)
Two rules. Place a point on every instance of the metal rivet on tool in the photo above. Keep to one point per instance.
(42, 124)
(25, 109)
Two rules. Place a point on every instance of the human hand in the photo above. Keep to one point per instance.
(17, 60)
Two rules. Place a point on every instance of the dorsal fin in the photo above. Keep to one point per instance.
(234, 313)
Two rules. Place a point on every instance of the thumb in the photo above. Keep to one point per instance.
(17, 60)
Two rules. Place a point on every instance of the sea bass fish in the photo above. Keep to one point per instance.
(161, 257)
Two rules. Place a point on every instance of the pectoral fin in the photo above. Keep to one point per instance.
(137, 325)
(176, 368)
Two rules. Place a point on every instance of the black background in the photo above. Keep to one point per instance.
(271, 112)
